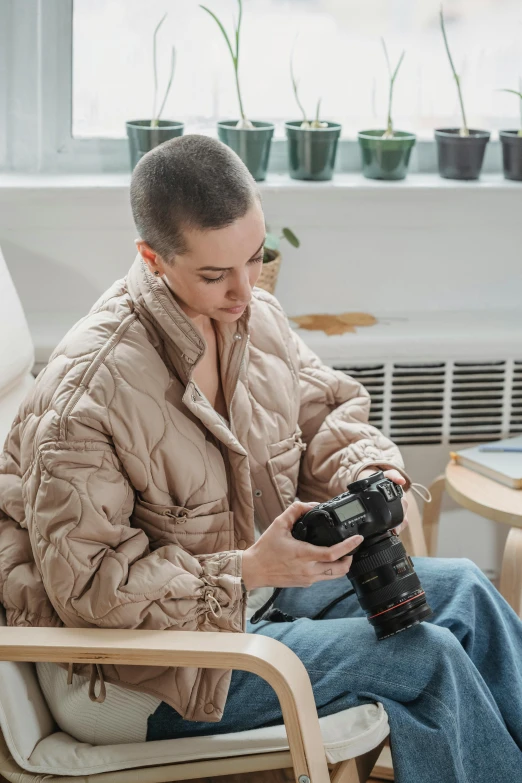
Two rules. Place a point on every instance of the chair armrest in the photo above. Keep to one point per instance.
(261, 655)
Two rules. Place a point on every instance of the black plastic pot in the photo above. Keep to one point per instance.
(251, 144)
(385, 158)
(461, 157)
(512, 154)
(311, 151)
(143, 138)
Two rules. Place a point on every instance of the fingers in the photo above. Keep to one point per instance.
(329, 554)
(395, 476)
(291, 514)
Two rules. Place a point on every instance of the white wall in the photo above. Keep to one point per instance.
(422, 245)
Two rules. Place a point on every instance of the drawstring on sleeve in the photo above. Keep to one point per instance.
(96, 673)
(212, 603)
(425, 495)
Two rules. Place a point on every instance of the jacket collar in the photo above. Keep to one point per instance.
(185, 344)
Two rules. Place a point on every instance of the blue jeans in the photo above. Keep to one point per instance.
(452, 686)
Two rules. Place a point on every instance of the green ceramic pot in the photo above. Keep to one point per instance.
(511, 154)
(385, 158)
(143, 138)
(251, 144)
(311, 151)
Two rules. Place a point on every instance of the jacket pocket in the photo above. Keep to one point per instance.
(195, 530)
(283, 466)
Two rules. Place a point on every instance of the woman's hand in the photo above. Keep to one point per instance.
(277, 559)
(396, 477)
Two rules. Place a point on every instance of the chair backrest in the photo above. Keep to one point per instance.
(413, 536)
(16, 352)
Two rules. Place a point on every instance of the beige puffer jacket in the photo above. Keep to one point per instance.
(125, 500)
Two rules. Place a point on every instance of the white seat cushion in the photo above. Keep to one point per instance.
(16, 352)
(346, 734)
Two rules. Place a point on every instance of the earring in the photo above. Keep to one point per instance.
(156, 272)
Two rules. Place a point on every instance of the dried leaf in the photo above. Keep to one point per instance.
(334, 324)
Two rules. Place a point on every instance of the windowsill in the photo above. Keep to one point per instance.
(274, 181)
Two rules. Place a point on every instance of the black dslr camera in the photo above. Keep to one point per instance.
(382, 573)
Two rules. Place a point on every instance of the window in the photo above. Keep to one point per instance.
(338, 58)
(73, 71)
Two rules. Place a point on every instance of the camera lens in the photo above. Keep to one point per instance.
(387, 586)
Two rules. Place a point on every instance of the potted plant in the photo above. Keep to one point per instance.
(460, 150)
(386, 153)
(311, 144)
(512, 144)
(272, 258)
(144, 135)
(250, 140)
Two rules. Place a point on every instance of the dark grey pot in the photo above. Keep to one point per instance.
(143, 138)
(461, 157)
(512, 154)
(251, 144)
(311, 151)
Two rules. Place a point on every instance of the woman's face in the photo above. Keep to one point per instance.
(216, 275)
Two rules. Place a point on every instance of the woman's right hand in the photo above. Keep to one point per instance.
(277, 559)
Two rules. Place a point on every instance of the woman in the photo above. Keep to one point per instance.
(149, 481)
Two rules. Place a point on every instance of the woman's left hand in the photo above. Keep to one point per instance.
(395, 476)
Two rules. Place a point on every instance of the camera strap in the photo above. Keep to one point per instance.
(259, 615)
(277, 616)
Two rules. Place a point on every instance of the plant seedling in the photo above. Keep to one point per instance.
(518, 93)
(234, 53)
(155, 118)
(388, 133)
(464, 130)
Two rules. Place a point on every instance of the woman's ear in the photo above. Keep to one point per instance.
(151, 258)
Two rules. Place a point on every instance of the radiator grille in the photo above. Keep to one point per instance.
(515, 422)
(440, 402)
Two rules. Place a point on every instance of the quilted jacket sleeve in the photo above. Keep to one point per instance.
(98, 570)
(333, 416)
(21, 590)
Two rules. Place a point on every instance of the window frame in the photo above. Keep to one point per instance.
(36, 41)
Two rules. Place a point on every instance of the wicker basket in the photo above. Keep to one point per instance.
(269, 273)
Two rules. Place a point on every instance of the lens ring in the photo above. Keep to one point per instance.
(380, 558)
(389, 592)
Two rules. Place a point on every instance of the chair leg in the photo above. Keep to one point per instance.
(511, 574)
(356, 770)
(345, 772)
(431, 515)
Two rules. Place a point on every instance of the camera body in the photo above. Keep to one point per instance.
(372, 506)
(382, 573)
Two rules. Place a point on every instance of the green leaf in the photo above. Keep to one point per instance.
(515, 92)
(398, 66)
(291, 237)
(213, 15)
(272, 242)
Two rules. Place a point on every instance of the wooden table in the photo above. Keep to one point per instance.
(488, 499)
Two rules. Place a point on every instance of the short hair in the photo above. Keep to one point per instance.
(191, 181)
